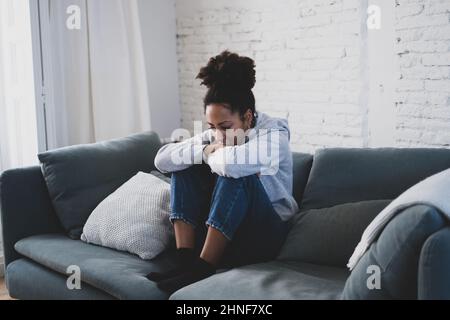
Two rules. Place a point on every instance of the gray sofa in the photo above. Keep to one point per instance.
(339, 191)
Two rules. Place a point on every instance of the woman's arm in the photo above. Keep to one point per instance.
(178, 156)
(261, 154)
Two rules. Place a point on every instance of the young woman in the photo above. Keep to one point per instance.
(231, 201)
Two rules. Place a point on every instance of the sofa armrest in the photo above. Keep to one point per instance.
(25, 208)
(396, 254)
(434, 266)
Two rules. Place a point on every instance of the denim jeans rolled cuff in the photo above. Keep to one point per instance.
(182, 217)
(222, 229)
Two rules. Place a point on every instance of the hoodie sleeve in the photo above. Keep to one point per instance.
(178, 156)
(261, 154)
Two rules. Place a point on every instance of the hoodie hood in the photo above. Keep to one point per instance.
(264, 121)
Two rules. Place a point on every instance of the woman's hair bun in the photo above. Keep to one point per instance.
(228, 71)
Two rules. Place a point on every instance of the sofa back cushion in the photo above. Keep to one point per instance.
(302, 163)
(342, 175)
(80, 177)
(328, 236)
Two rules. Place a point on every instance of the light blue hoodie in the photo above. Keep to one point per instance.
(269, 139)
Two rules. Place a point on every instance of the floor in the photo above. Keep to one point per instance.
(3, 292)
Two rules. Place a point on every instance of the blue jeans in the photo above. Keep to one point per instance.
(239, 208)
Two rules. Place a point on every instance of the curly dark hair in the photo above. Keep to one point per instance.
(230, 79)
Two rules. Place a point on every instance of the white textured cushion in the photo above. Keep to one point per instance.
(134, 218)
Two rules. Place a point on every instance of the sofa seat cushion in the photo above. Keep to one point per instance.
(119, 274)
(274, 280)
(28, 280)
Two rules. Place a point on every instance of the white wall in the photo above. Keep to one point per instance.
(380, 75)
(422, 100)
(339, 83)
(157, 18)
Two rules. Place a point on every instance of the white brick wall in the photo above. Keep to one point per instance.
(312, 66)
(423, 94)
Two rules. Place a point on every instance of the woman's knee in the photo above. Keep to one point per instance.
(247, 180)
(193, 174)
(186, 172)
(191, 186)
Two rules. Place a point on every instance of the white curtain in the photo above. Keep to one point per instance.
(18, 128)
(99, 85)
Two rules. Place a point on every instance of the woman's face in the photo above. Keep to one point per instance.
(228, 127)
